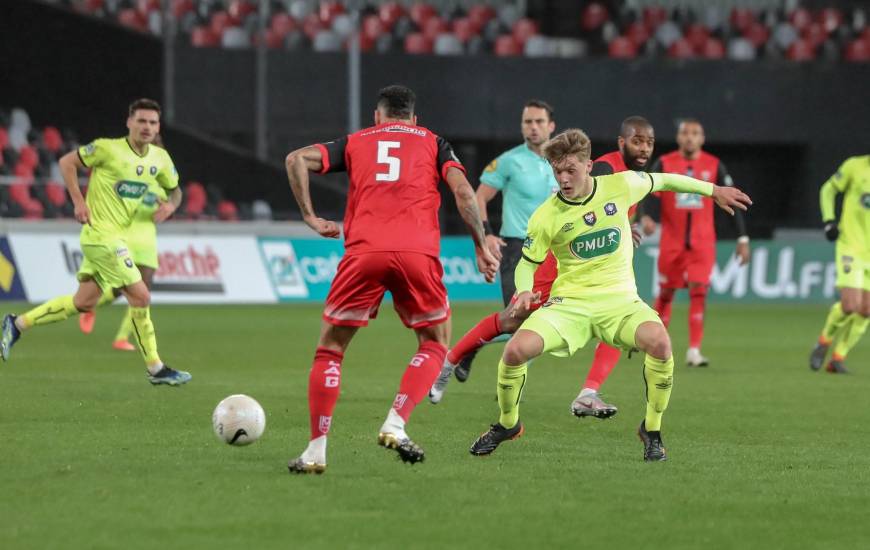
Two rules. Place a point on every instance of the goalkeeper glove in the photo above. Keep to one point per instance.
(831, 230)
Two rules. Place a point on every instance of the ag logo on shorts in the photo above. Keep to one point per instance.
(865, 200)
(130, 189)
(589, 218)
(598, 243)
(847, 263)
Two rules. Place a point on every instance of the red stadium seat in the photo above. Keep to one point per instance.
(858, 51)
(417, 43)
(366, 43)
(28, 157)
(697, 35)
(204, 37)
(195, 200)
(507, 46)
(741, 18)
(312, 25)
(815, 33)
(757, 33)
(389, 13)
(282, 24)
(20, 193)
(90, 6)
(653, 16)
(328, 11)
(419, 13)
(147, 6)
(273, 39)
(637, 33)
(622, 47)
(372, 27)
(227, 211)
(713, 48)
(593, 17)
(465, 28)
(4, 139)
(55, 193)
(481, 15)
(239, 9)
(523, 29)
(132, 19)
(681, 49)
(51, 139)
(180, 8)
(866, 34)
(830, 18)
(801, 50)
(220, 20)
(800, 18)
(434, 26)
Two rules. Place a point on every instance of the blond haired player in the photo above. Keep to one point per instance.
(586, 227)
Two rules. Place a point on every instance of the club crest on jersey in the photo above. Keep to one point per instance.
(128, 262)
(567, 227)
(153, 170)
(597, 243)
(610, 208)
(140, 170)
(590, 218)
(865, 200)
(528, 242)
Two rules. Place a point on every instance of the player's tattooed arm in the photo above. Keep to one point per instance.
(299, 164)
(466, 203)
(70, 164)
(167, 208)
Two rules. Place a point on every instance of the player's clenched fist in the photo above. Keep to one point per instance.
(82, 213)
(729, 197)
(324, 228)
(486, 263)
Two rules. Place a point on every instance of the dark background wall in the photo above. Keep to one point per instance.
(782, 128)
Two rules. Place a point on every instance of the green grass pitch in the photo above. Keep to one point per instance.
(763, 452)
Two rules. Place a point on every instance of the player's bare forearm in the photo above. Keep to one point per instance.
(299, 163)
(175, 197)
(484, 194)
(69, 169)
(466, 203)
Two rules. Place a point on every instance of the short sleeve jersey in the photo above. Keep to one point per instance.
(143, 219)
(119, 180)
(591, 238)
(612, 163)
(394, 171)
(853, 180)
(526, 180)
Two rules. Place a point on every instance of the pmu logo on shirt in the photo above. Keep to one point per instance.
(597, 243)
(590, 218)
(130, 189)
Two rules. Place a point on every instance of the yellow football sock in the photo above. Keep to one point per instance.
(126, 326)
(510, 388)
(52, 311)
(851, 334)
(833, 323)
(658, 375)
(143, 328)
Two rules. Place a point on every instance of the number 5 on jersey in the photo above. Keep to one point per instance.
(393, 163)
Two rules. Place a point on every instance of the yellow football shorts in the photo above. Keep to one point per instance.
(853, 270)
(109, 264)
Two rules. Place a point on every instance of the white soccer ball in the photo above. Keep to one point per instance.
(238, 420)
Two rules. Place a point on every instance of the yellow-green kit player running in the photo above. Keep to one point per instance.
(586, 226)
(122, 171)
(848, 318)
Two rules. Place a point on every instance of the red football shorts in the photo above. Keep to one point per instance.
(678, 267)
(413, 279)
(544, 277)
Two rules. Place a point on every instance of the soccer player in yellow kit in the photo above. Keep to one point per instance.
(122, 170)
(848, 318)
(586, 226)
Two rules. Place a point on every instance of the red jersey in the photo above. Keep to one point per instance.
(686, 218)
(616, 163)
(394, 170)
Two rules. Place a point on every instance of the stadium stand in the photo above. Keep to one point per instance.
(677, 29)
(31, 185)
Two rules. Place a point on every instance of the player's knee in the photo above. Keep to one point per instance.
(850, 306)
(667, 294)
(865, 310)
(698, 291)
(515, 354)
(84, 305)
(660, 346)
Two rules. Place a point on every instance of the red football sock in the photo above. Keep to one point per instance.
(697, 299)
(605, 359)
(323, 388)
(419, 376)
(484, 331)
(663, 304)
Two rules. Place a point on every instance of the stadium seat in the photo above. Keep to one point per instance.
(373, 26)
(830, 19)
(508, 14)
(420, 12)
(19, 193)
(147, 6)
(327, 41)
(417, 43)
(637, 32)
(815, 33)
(4, 138)
(539, 46)
(784, 35)
(300, 9)
(20, 120)
(195, 201)
(56, 194)
(741, 18)
(203, 37)
(366, 43)
(713, 48)
(622, 47)
(712, 17)
(653, 16)
(312, 25)
(389, 13)
(221, 20)
(667, 33)
(571, 47)
(240, 9)
(523, 29)
(90, 6)
(464, 28)
(696, 35)
(235, 38)
(180, 8)
(434, 26)
(261, 211)
(858, 51)
(801, 50)
(594, 16)
(132, 19)
(447, 44)
(342, 25)
(329, 11)
(481, 14)
(800, 18)
(28, 157)
(741, 49)
(681, 49)
(506, 46)
(282, 23)
(227, 211)
(757, 33)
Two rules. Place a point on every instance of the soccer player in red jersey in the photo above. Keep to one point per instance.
(392, 243)
(687, 250)
(636, 141)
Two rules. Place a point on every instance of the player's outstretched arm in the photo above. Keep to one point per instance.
(70, 164)
(726, 198)
(466, 203)
(299, 163)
